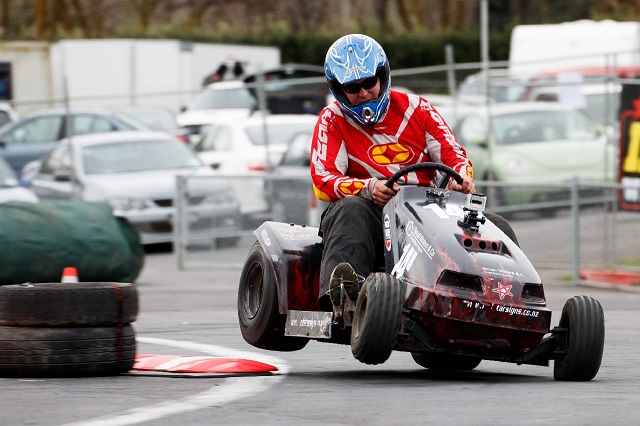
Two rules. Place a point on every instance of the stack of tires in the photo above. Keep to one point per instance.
(67, 329)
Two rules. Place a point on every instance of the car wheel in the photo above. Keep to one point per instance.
(68, 304)
(66, 351)
(583, 318)
(376, 320)
(261, 324)
(446, 362)
(503, 225)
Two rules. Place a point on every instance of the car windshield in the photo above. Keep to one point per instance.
(132, 121)
(299, 151)
(137, 156)
(277, 133)
(536, 126)
(223, 99)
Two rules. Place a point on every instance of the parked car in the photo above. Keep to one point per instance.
(33, 136)
(156, 118)
(135, 172)
(288, 89)
(10, 189)
(290, 192)
(240, 147)
(532, 142)
(292, 88)
(226, 100)
(7, 113)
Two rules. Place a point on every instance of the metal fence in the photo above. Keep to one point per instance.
(566, 238)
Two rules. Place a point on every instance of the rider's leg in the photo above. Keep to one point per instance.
(351, 232)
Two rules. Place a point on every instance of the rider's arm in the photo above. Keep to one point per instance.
(444, 148)
(330, 161)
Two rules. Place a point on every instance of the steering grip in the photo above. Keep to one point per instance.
(449, 172)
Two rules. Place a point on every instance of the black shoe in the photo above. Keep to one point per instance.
(343, 275)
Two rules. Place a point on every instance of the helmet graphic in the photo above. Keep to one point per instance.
(353, 57)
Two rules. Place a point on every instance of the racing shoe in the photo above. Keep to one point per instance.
(344, 275)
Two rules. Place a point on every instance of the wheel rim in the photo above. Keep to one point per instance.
(253, 290)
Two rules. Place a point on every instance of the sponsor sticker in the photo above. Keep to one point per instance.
(503, 290)
(419, 239)
(265, 237)
(387, 232)
(405, 262)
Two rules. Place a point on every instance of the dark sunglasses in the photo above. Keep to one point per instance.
(366, 84)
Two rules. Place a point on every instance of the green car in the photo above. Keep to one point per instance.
(537, 145)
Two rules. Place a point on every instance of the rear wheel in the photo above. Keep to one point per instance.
(446, 362)
(377, 318)
(583, 318)
(261, 323)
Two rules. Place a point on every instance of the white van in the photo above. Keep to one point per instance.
(535, 49)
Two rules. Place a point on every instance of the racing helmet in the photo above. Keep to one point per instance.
(353, 57)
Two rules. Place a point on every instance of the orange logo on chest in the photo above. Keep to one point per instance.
(391, 153)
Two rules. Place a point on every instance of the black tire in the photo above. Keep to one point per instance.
(261, 324)
(583, 318)
(446, 362)
(502, 224)
(68, 304)
(66, 352)
(377, 318)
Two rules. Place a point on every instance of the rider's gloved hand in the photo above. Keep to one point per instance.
(381, 194)
(467, 187)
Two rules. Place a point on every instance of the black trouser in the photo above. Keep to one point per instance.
(351, 230)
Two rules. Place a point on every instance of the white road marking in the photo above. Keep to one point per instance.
(229, 389)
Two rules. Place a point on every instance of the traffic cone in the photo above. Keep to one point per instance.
(69, 275)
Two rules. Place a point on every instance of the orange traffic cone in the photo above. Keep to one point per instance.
(69, 275)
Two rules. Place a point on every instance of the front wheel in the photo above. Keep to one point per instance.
(377, 318)
(261, 323)
(583, 343)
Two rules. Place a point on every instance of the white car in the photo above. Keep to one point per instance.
(228, 100)
(135, 173)
(234, 147)
(10, 189)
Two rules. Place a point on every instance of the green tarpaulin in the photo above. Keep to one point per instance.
(37, 240)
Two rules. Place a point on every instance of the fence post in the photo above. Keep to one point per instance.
(575, 216)
(180, 223)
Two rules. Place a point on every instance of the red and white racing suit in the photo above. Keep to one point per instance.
(347, 158)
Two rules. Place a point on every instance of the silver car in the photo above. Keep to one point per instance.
(135, 173)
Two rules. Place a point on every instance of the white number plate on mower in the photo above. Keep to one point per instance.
(311, 324)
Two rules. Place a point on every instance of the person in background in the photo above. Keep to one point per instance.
(368, 133)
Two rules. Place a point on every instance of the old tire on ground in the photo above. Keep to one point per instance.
(377, 318)
(446, 362)
(583, 318)
(68, 304)
(66, 351)
(261, 324)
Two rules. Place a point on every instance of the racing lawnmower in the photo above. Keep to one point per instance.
(456, 289)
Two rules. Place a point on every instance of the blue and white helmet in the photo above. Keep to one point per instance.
(351, 58)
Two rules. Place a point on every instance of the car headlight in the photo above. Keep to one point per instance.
(125, 204)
